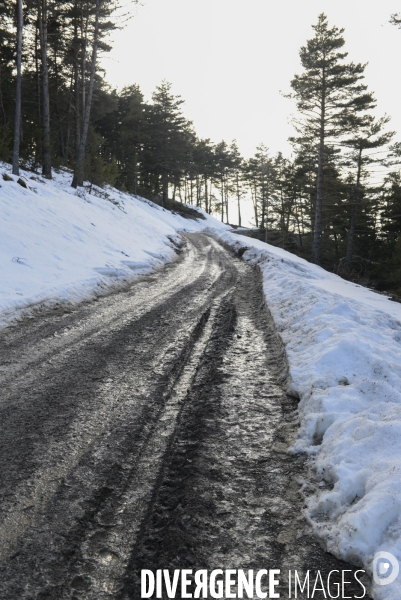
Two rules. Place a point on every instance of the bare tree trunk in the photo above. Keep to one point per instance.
(68, 132)
(78, 179)
(38, 148)
(206, 197)
(262, 223)
(319, 192)
(42, 22)
(255, 202)
(267, 216)
(222, 200)
(164, 188)
(135, 170)
(299, 229)
(265, 208)
(197, 191)
(17, 123)
(282, 218)
(77, 110)
(38, 92)
(238, 200)
(351, 233)
(59, 118)
(83, 59)
(335, 245)
(3, 112)
(226, 200)
(157, 186)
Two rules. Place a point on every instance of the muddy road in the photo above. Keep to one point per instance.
(149, 430)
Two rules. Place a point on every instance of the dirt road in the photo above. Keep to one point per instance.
(149, 430)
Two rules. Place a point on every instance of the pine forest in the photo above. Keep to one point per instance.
(336, 201)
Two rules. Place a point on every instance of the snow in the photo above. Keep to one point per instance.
(58, 245)
(343, 341)
(343, 344)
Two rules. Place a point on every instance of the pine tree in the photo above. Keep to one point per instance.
(259, 175)
(391, 211)
(78, 178)
(223, 165)
(170, 136)
(368, 135)
(238, 163)
(17, 121)
(7, 82)
(325, 93)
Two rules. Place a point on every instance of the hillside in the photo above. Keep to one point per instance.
(58, 244)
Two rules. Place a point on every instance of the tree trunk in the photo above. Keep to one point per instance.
(38, 150)
(226, 200)
(42, 22)
(351, 233)
(3, 112)
(319, 192)
(59, 118)
(157, 187)
(262, 222)
(255, 203)
(17, 123)
(165, 188)
(78, 179)
(222, 200)
(197, 191)
(77, 109)
(239, 201)
(299, 229)
(77, 112)
(335, 245)
(267, 216)
(68, 132)
(135, 170)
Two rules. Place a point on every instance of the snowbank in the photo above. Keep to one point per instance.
(60, 245)
(344, 349)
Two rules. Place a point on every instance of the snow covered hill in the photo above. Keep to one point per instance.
(60, 245)
(343, 344)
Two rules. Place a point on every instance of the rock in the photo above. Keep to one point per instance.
(22, 182)
(242, 251)
(7, 177)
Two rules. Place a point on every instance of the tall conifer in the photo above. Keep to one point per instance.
(325, 93)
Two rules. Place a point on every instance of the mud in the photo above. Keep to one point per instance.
(149, 430)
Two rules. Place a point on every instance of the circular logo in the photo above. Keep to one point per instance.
(385, 568)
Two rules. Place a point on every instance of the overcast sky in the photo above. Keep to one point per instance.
(230, 59)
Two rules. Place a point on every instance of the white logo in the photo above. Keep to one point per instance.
(385, 568)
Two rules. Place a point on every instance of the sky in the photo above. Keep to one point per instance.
(231, 60)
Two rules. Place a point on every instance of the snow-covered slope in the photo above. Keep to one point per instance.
(344, 349)
(57, 245)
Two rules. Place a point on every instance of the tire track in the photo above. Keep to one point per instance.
(149, 430)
